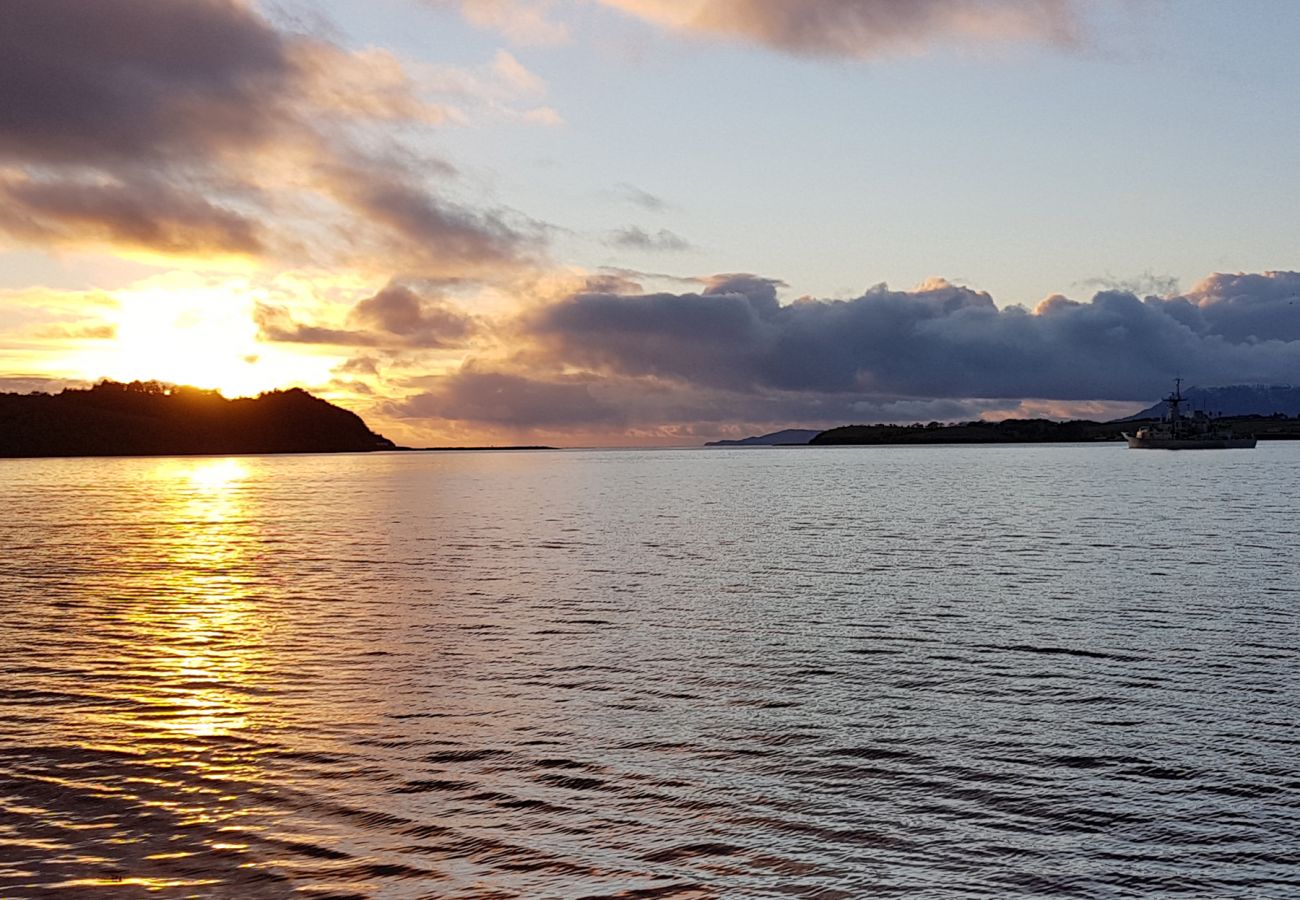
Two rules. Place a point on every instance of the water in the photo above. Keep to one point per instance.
(913, 672)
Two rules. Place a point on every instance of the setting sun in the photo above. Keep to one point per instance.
(185, 331)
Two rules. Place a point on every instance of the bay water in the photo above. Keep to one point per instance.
(809, 672)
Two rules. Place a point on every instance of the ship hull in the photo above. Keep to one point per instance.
(1236, 443)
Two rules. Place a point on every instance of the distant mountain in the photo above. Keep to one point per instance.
(1232, 400)
(788, 436)
(153, 419)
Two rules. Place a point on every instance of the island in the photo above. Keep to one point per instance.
(148, 418)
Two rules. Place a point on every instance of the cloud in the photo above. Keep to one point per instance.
(1246, 308)
(662, 241)
(371, 84)
(613, 363)
(179, 126)
(513, 73)
(422, 232)
(1146, 283)
(395, 317)
(638, 197)
(276, 324)
(359, 365)
(495, 88)
(862, 29)
(521, 21)
(146, 214)
(511, 401)
(940, 340)
(137, 79)
(424, 322)
(630, 279)
(542, 115)
(94, 332)
(855, 29)
(485, 398)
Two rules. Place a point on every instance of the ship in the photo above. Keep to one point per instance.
(1178, 432)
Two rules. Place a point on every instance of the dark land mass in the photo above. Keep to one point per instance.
(467, 449)
(1037, 431)
(1233, 400)
(153, 419)
(775, 439)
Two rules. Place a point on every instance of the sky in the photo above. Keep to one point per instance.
(652, 222)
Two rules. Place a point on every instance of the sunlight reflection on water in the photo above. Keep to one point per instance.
(203, 635)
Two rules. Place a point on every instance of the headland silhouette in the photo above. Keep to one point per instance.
(149, 418)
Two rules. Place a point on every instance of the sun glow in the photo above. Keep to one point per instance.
(184, 330)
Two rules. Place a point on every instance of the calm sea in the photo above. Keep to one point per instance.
(864, 672)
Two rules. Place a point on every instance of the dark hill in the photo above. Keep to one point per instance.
(776, 438)
(1234, 400)
(152, 419)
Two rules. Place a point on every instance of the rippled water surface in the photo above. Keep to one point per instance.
(860, 672)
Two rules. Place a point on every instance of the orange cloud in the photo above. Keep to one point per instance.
(179, 127)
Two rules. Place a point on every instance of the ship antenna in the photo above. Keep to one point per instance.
(1174, 400)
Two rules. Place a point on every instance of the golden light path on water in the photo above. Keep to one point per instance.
(205, 636)
(191, 642)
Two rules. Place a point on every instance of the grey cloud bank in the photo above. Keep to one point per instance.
(512, 401)
(940, 340)
(731, 355)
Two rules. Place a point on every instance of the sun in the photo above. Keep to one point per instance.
(184, 330)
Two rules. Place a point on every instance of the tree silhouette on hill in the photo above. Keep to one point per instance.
(149, 418)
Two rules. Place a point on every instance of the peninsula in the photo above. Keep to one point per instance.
(1035, 431)
(153, 419)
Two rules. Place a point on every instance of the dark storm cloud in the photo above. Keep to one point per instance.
(512, 401)
(940, 340)
(635, 238)
(177, 124)
(135, 79)
(864, 28)
(396, 317)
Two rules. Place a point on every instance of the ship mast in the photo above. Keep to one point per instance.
(1174, 400)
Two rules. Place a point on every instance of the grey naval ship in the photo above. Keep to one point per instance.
(1178, 432)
